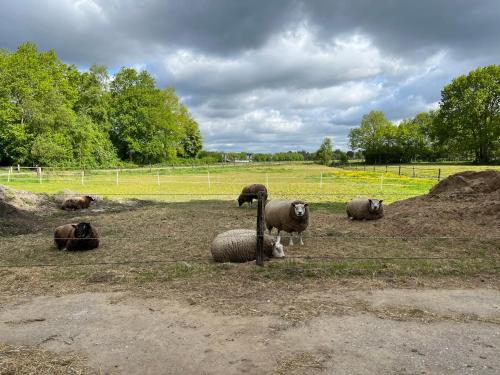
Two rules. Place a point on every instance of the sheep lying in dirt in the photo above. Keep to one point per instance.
(82, 236)
(250, 192)
(239, 245)
(289, 216)
(77, 203)
(364, 209)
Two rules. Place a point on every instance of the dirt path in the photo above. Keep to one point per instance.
(127, 335)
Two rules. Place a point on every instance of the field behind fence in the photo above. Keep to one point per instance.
(307, 181)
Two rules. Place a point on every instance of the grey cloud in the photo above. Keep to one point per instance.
(272, 75)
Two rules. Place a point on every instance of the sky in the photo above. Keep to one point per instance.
(272, 75)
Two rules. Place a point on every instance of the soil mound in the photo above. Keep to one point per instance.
(463, 204)
(468, 182)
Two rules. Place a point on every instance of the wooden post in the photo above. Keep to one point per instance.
(82, 176)
(39, 173)
(8, 175)
(364, 167)
(439, 174)
(321, 181)
(259, 254)
(386, 168)
(414, 175)
(18, 168)
(373, 167)
(117, 178)
(158, 177)
(399, 171)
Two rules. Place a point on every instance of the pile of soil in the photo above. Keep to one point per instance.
(463, 204)
(469, 183)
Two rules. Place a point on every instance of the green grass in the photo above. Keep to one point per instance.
(310, 182)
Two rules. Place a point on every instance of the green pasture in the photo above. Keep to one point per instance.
(310, 182)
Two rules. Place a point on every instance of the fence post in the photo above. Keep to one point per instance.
(373, 167)
(117, 179)
(414, 175)
(39, 173)
(18, 168)
(399, 171)
(8, 175)
(158, 177)
(386, 168)
(83, 175)
(439, 174)
(321, 181)
(364, 167)
(259, 254)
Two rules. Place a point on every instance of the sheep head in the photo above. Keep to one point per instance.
(82, 230)
(278, 251)
(299, 209)
(374, 205)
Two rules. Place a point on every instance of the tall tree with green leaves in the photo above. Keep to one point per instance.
(469, 115)
(143, 128)
(324, 155)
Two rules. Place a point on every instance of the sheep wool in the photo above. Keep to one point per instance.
(239, 245)
(82, 236)
(77, 203)
(250, 192)
(288, 216)
(365, 209)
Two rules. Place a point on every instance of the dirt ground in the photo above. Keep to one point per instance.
(127, 335)
(150, 300)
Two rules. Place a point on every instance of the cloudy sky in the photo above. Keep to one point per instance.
(272, 75)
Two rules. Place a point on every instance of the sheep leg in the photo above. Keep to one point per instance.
(291, 240)
(300, 236)
(278, 238)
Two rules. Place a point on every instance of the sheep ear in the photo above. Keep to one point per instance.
(74, 225)
(293, 204)
(306, 205)
(380, 201)
(369, 200)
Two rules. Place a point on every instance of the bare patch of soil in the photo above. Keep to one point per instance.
(128, 335)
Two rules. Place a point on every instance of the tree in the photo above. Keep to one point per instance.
(324, 155)
(376, 137)
(143, 128)
(469, 116)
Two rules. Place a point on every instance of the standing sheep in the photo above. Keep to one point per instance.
(250, 192)
(364, 209)
(289, 216)
(77, 203)
(82, 236)
(239, 245)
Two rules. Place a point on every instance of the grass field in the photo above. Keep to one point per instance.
(310, 182)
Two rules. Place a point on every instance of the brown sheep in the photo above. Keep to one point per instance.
(77, 203)
(82, 236)
(250, 192)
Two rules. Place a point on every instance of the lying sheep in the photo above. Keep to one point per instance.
(289, 216)
(82, 236)
(250, 192)
(77, 203)
(364, 209)
(239, 245)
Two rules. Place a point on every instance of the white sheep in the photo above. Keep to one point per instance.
(289, 216)
(364, 209)
(239, 245)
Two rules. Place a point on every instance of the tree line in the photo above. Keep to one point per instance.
(52, 114)
(465, 126)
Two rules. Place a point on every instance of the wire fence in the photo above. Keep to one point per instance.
(321, 181)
